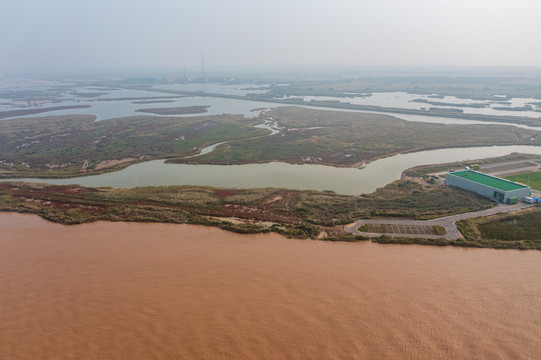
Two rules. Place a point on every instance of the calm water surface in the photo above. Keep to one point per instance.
(159, 291)
(119, 108)
(104, 110)
(402, 100)
(110, 109)
(305, 177)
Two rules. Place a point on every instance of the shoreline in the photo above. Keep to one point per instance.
(264, 210)
(381, 239)
(188, 160)
(535, 122)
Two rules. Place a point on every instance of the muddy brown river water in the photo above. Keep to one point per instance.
(160, 291)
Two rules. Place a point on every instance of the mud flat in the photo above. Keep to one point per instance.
(127, 290)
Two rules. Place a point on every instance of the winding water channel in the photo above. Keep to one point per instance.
(276, 174)
(115, 106)
(350, 181)
(270, 125)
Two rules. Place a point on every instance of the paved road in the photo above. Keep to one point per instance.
(447, 222)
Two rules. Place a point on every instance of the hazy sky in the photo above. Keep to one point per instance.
(74, 35)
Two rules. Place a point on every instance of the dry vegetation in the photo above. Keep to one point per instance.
(289, 212)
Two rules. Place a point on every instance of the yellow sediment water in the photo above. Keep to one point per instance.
(160, 291)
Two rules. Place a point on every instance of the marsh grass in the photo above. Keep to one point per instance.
(521, 230)
(300, 214)
(348, 138)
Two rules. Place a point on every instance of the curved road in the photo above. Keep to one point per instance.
(448, 222)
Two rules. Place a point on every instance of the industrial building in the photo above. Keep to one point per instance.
(504, 191)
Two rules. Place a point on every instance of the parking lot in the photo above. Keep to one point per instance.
(401, 229)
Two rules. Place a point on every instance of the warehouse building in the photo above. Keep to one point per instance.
(504, 191)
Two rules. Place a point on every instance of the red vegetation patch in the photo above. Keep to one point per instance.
(282, 200)
(46, 191)
(224, 193)
(59, 205)
(63, 189)
(151, 127)
(254, 213)
(63, 206)
(53, 197)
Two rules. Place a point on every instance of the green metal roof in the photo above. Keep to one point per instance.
(500, 184)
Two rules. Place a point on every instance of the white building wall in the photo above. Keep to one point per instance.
(484, 190)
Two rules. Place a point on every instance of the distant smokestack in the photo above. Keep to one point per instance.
(202, 66)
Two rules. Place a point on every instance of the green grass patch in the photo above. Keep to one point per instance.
(348, 138)
(65, 146)
(385, 239)
(532, 178)
(521, 230)
(526, 226)
(439, 230)
(364, 228)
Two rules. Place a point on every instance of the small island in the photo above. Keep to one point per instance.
(23, 112)
(184, 110)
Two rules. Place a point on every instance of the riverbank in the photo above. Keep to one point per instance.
(298, 101)
(346, 181)
(75, 145)
(294, 213)
(44, 147)
(346, 139)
